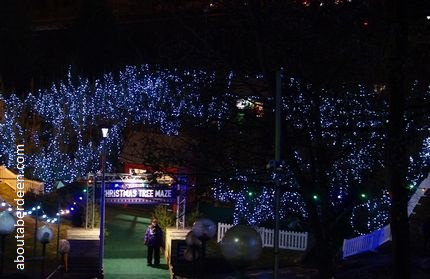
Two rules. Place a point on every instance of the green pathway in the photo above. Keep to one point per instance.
(125, 253)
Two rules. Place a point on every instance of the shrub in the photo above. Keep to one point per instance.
(192, 216)
(166, 218)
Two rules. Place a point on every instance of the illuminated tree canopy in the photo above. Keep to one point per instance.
(60, 125)
(338, 136)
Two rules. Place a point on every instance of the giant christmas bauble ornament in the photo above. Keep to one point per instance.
(241, 245)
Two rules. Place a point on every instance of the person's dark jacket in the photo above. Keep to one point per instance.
(153, 236)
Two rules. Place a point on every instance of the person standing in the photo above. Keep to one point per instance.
(153, 240)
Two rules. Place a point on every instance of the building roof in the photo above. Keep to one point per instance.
(158, 150)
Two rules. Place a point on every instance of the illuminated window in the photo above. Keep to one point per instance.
(256, 106)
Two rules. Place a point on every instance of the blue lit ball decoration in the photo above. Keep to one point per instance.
(6, 223)
(204, 229)
(241, 245)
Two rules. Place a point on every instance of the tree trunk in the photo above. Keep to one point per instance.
(397, 157)
(323, 255)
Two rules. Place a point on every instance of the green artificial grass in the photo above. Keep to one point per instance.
(125, 252)
(134, 268)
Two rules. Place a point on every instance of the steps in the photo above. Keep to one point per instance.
(416, 221)
(83, 259)
(83, 234)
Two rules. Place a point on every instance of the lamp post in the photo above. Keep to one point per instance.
(6, 227)
(90, 179)
(64, 250)
(105, 132)
(44, 235)
(35, 228)
(58, 230)
(193, 245)
(203, 229)
(277, 186)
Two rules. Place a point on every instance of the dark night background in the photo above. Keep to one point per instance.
(338, 42)
(333, 44)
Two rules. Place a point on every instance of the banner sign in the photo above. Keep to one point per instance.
(139, 193)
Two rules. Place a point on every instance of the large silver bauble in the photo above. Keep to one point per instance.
(241, 245)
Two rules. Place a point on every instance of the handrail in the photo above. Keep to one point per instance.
(51, 275)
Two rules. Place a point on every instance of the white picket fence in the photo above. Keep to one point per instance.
(373, 240)
(287, 239)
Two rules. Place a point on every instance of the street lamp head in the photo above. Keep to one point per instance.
(44, 234)
(204, 229)
(7, 222)
(105, 132)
